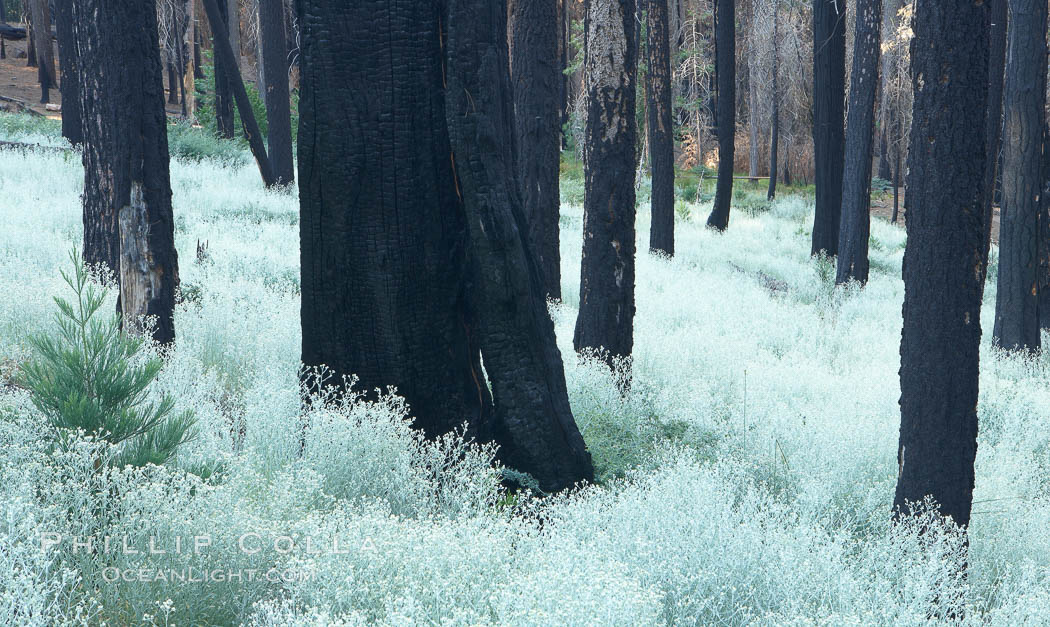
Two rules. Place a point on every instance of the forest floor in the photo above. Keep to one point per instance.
(746, 477)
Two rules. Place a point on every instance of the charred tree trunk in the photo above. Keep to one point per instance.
(661, 128)
(725, 70)
(278, 100)
(860, 129)
(224, 120)
(128, 223)
(240, 95)
(536, 79)
(774, 133)
(993, 123)
(72, 128)
(41, 34)
(606, 317)
(533, 422)
(388, 300)
(1017, 295)
(829, 94)
(198, 70)
(942, 292)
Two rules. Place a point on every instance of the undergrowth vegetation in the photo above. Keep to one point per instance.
(746, 478)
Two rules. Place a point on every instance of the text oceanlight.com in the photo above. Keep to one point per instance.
(113, 574)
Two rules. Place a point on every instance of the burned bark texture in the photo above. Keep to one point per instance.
(533, 423)
(725, 71)
(860, 129)
(414, 252)
(537, 81)
(661, 128)
(278, 101)
(998, 18)
(72, 126)
(606, 318)
(829, 94)
(942, 291)
(128, 223)
(1024, 100)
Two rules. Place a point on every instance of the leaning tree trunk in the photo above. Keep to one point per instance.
(224, 120)
(774, 134)
(725, 70)
(533, 422)
(829, 94)
(537, 76)
(240, 94)
(860, 128)
(388, 300)
(72, 128)
(993, 122)
(128, 223)
(1017, 294)
(606, 318)
(942, 292)
(45, 51)
(278, 103)
(661, 128)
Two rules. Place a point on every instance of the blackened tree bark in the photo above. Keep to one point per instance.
(68, 56)
(240, 95)
(128, 224)
(829, 94)
(389, 260)
(278, 103)
(774, 134)
(41, 35)
(533, 422)
(606, 317)
(998, 18)
(1017, 295)
(661, 127)
(537, 77)
(942, 291)
(860, 129)
(725, 70)
(224, 120)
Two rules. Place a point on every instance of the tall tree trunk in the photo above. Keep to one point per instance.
(388, 299)
(189, 90)
(72, 128)
(128, 223)
(606, 316)
(47, 76)
(1017, 295)
(774, 134)
(661, 128)
(752, 94)
(224, 120)
(829, 93)
(1044, 235)
(533, 422)
(860, 129)
(998, 18)
(198, 70)
(536, 77)
(240, 95)
(725, 71)
(27, 10)
(942, 292)
(278, 102)
(887, 71)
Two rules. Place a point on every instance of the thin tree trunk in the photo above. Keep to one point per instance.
(240, 95)
(829, 92)
(860, 129)
(41, 35)
(72, 128)
(725, 70)
(278, 102)
(224, 120)
(752, 97)
(661, 128)
(998, 18)
(606, 318)
(1024, 101)
(189, 90)
(128, 222)
(774, 134)
(941, 338)
(536, 77)
(233, 17)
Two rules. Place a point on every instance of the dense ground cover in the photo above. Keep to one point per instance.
(746, 478)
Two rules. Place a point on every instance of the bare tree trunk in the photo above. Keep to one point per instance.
(189, 90)
(72, 127)
(725, 68)
(998, 18)
(41, 36)
(661, 129)
(275, 90)
(224, 120)
(829, 93)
